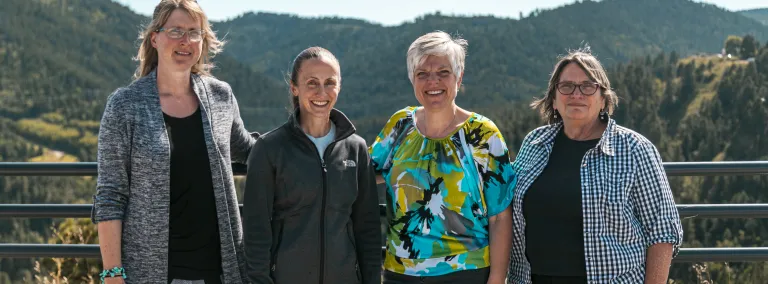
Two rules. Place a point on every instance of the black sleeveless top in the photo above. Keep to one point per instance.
(194, 248)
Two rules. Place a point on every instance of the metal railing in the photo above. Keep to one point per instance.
(672, 169)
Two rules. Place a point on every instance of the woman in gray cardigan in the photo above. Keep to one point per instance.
(165, 200)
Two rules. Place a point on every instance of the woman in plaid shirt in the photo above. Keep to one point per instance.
(592, 203)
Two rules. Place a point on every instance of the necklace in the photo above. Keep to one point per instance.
(450, 124)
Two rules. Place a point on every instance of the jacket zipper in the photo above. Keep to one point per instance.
(322, 209)
(322, 222)
(325, 189)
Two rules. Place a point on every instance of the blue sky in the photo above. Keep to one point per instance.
(394, 12)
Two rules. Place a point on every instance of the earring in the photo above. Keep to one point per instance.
(603, 115)
(554, 115)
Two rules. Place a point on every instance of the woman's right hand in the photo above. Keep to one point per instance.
(114, 280)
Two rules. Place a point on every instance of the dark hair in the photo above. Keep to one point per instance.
(594, 70)
(307, 54)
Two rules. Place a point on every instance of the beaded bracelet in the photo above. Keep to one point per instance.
(115, 271)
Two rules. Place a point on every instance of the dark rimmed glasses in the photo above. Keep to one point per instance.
(586, 88)
(177, 33)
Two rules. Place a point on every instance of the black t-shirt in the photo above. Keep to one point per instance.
(194, 246)
(554, 242)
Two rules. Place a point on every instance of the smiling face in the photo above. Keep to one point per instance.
(435, 84)
(317, 87)
(578, 106)
(177, 54)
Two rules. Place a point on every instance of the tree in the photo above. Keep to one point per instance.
(748, 47)
(762, 61)
(673, 58)
(732, 45)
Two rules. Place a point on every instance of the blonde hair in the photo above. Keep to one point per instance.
(583, 58)
(437, 43)
(147, 55)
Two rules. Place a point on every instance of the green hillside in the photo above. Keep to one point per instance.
(59, 60)
(62, 61)
(761, 15)
(507, 59)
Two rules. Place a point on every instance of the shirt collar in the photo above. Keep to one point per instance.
(548, 137)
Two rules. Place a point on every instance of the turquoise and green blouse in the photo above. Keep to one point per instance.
(440, 193)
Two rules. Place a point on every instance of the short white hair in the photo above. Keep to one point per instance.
(437, 43)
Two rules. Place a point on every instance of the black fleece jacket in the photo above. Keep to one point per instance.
(307, 219)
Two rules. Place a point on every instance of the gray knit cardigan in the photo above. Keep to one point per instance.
(134, 174)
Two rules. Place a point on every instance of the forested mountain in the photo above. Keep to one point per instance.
(60, 59)
(761, 15)
(65, 57)
(507, 59)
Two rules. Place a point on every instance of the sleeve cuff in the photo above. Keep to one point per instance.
(672, 234)
(106, 210)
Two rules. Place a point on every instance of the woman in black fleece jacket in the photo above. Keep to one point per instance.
(310, 206)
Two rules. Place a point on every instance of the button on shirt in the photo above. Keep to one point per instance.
(627, 204)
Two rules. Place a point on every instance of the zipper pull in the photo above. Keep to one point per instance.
(324, 169)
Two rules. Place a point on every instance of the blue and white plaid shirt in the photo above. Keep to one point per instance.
(627, 204)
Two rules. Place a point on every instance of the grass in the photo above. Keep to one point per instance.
(53, 156)
(48, 131)
(708, 91)
(70, 270)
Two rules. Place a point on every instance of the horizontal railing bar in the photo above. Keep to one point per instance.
(66, 169)
(84, 210)
(45, 210)
(47, 169)
(751, 254)
(671, 168)
(49, 250)
(716, 168)
(759, 210)
(92, 251)
(65, 210)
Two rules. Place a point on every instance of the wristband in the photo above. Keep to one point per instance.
(115, 271)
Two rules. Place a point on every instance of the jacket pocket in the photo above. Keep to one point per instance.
(351, 235)
(277, 236)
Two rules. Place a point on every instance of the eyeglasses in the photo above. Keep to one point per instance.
(177, 33)
(586, 88)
